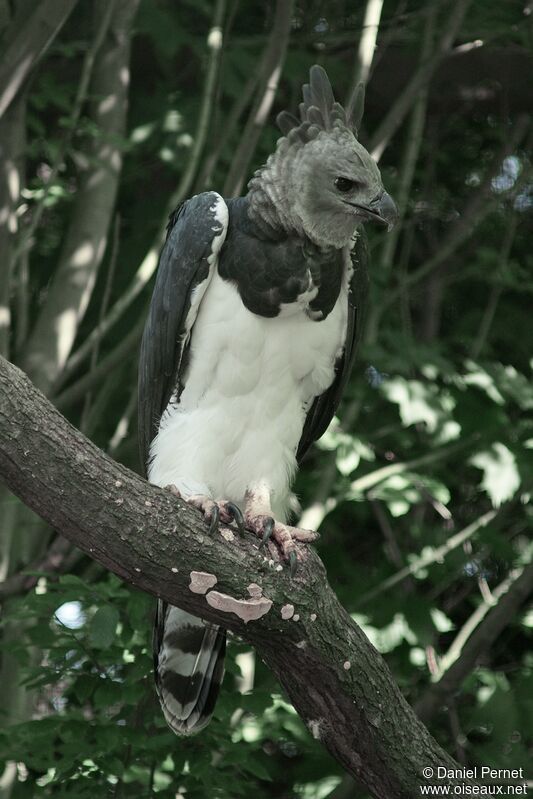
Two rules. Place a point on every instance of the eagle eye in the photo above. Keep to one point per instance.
(344, 184)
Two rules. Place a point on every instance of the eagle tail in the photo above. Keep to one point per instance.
(189, 667)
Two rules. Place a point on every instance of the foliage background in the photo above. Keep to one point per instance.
(434, 436)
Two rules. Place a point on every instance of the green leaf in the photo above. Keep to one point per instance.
(501, 479)
(84, 686)
(419, 402)
(254, 766)
(103, 627)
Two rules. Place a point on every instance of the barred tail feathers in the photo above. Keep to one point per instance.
(189, 667)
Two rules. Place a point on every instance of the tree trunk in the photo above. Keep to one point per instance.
(31, 36)
(85, 242)
(69, 293)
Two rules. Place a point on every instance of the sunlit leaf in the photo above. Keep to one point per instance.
(501, 479)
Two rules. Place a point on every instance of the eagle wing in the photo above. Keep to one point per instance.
(188, 655)
(324, 406)
(196, 232)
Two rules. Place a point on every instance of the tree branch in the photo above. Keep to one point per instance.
(27, 239)
(271, 66)
(489, 600)
(110, 276)
(27, 43)
(140, 280)
(436, 555)
(52, 561)
(496, 290)
(413, 143)
(509, 597)
(85, 242)
(149, 263)
(112, 361)
(229, 127)
(367, 42)
(154, 541)
(477, 208)
(313, 516)
(421, 78)
(214, 42)
(12, 161)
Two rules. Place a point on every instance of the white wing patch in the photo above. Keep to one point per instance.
(220, 211)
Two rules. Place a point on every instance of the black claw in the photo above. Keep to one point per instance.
(213, 522)
(238, 518)
(268, 529)
(293, 562)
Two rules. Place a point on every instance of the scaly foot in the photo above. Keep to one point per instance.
(285, 536)
(214, 511)
(262, 524)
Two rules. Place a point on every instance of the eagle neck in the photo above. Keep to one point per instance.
(268, 206)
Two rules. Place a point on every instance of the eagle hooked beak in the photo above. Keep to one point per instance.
(382, 210)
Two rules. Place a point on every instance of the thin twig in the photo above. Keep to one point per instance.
(115, 358)
(79, 641)
(413, 143)
(102, 312)
(26, 240)
(223, 126)
(140, 280)
(495, 292)
(481, 204)
(391, 544)
(52, 561)
(421, 77)
(436, 555)
(313, 516)
(230, 126)
(270, 75)
(151, 779)
(149, 263)
(22, 294)
(371, 479)
(512, 593)
(458, 643)
(214, 42)
(12, 170)
(27, 44)
(102, 398)
(324, 504)
(122, 428)
(367, 42)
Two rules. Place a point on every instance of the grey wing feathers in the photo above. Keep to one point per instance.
(188, 653)
(196, 230)
(324, 407)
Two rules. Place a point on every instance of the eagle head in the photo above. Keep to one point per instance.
(320, 180)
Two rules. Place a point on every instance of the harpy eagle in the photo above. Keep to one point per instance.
(249, 342)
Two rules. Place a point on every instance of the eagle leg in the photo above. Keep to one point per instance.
(258, 518)
(214, 511)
